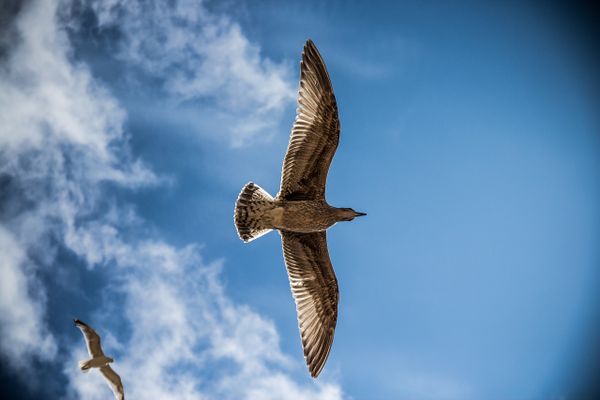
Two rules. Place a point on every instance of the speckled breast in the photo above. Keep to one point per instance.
(303, 216)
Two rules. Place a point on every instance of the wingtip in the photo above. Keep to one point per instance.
(309, 44)
(314, 366)
(314, 372)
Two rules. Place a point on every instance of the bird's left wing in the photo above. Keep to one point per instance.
(315, 134)
(114, 381)
(92, 339)
(315, 291)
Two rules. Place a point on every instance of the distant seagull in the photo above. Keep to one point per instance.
(99, 360)
(300, 211)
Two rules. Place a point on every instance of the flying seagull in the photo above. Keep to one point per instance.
(99, 360)
(300, 211)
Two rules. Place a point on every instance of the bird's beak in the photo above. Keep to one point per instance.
(359, 214)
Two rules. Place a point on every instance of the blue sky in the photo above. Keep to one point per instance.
(469, 135)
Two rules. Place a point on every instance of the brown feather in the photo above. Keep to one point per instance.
(315, 291)
(315, 134)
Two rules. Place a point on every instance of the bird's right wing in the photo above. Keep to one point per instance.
(92, 339)
(315, 291)
(114, 381)
(315, 134)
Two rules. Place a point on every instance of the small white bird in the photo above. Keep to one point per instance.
(99, 360)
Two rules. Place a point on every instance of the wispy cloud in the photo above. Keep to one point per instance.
(62, 148)
(22, 334)
(57, 144)
(199, 55)
(187, 339)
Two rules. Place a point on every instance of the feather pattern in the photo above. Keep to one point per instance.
(251, 212)
(315, 134)
(315, 291)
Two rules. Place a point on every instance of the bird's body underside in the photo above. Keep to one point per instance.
(95, 362)
(300, 212)
(254, 219)
(303, 216)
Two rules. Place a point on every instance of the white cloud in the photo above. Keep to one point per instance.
(57, 129)
(62, 142)
(48, 101)
(201, 55)
(20, 313)
(188, 340)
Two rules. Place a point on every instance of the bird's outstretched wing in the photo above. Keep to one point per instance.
(315, 291)
(114, 381)
(315, 134)
(92, 339)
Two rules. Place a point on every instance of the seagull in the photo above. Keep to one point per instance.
(99, 360)
(300, 212)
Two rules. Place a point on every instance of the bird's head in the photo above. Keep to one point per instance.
(109, 360)
(348, 214)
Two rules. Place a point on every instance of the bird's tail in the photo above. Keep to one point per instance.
(84, 366)
(250, 209)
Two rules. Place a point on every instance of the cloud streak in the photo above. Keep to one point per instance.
(56, 147)
(20, 314)
(187, 340)
(199, 55)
